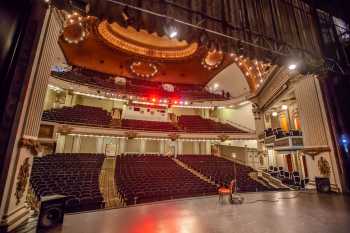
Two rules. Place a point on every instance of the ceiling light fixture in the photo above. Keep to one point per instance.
(284, 107)
(173, 34)
(274, 114)
(292, 66)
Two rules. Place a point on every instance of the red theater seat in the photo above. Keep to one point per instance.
(141, 179)
(194, 123)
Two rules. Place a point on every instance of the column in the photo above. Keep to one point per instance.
(76, 144)
(74, 100)
(13, 208)
(179, 147)
(196, 147)
(60, 143)
(142, 145)
(207, 147)
(314, 125)
(40, 74)
(162, 147)
(122, 142)
(99, 145)
(259, 124)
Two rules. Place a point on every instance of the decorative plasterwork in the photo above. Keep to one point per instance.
(174, 136)
(212, 59)
(130, 135)
(144, 44)
(314, 151)
(143, 69)
(223, 137)
(323, 166)
(64, 129)
(31, 144)
(22, 180)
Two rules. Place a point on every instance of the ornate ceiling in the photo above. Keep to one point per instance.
(124, 51)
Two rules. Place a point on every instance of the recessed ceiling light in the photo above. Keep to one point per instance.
(274, 114)
(284, 107)
(292, 66)
(173, 34)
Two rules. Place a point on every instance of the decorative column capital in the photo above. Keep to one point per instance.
(256, 111)
(174, 136)
(130, 135)
(33, 145)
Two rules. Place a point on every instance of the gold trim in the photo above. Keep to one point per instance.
(22, 180)
(119, 41)
(314, 151)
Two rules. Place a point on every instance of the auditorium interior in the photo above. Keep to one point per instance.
(138, 116)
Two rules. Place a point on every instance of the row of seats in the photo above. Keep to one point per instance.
(136, 87)
(73, 175)
(279, 133)
(222, 171)
(148, 125)
(141, 179)
(195, 123)
(288, 178)
(79, 114)
(94, 116)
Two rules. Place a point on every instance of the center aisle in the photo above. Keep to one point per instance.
(107, 184)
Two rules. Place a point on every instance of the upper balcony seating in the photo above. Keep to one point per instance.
(198, 124)
(222, 171)
(148, 125)
(279, 133)
(73, 175)
(79, 114)
(94, 116)
(141, 179)
(136, 87)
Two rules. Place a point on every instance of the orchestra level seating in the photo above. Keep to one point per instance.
(73, 175)
(222, 171)
(141, 179)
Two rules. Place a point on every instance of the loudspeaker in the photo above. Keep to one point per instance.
(51, 211)
(323, 184)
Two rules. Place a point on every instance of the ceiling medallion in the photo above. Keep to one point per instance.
(143, 69)
(74, 28)
(212, 59)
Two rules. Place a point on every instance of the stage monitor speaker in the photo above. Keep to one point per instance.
(323, 184)
(51, 211)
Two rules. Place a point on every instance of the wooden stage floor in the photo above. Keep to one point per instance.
(287, 212)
